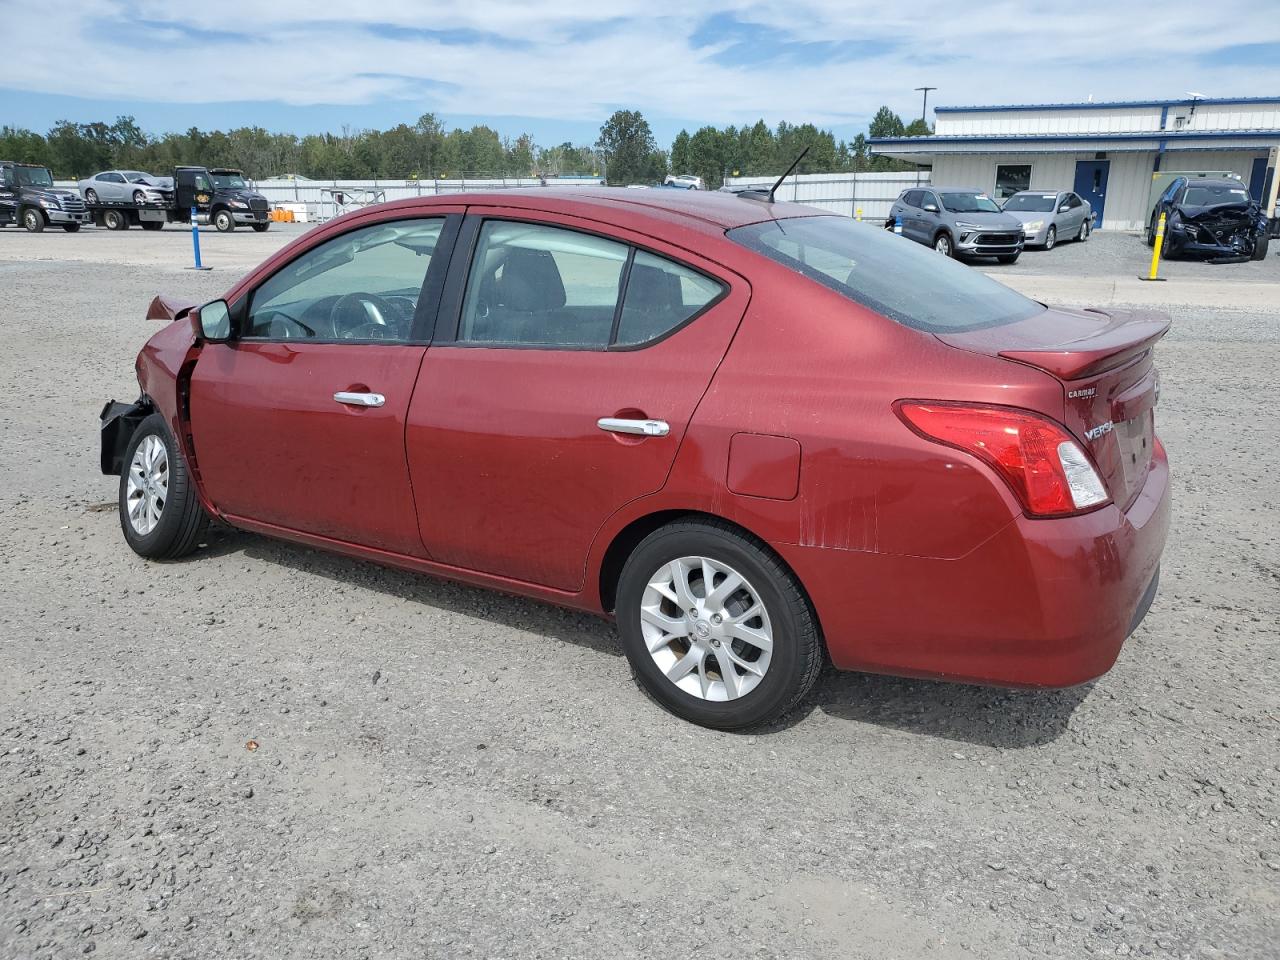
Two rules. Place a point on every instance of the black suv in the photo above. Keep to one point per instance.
(28, 197)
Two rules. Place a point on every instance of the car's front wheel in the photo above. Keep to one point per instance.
(1051, 238)
(942, 243)
(159, 512)
(716, 628)
(224, 221)
(33, 220)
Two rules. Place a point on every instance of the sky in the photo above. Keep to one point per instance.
(558, 70)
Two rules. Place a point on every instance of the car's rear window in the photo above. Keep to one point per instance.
(890, 274)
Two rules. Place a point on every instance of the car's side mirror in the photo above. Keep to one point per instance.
(215, 321)
(931, 207)
(1065, 208)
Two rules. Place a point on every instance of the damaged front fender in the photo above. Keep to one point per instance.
(119, 421)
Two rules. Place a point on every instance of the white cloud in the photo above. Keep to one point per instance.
(572, 61)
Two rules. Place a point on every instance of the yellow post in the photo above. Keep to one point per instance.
(859, 213)
(1155, 251)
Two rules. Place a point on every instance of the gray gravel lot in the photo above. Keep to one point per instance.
(445, 772)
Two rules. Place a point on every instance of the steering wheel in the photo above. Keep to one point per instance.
(353, 315)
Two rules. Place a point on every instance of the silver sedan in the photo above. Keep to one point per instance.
(1049, 216)
(121, 186)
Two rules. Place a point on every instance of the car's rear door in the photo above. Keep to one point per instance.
(298, 421)
(577, 357)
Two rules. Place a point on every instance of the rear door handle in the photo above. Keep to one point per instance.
(360, 399)
(643, 428)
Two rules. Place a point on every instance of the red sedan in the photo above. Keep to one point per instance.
(756, 434)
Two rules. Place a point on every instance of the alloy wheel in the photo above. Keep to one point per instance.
(706, 628)
(943, 245)
(148, 485)
(1051, 238)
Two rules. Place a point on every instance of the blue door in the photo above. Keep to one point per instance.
(1091, 183)
(1258, 178)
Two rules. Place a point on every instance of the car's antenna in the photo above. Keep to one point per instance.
(795, 163)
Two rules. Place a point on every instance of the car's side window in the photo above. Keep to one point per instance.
(911, 198)
(661, 295)
(361, 285)
(1073, 201)
(927, 198)
(541, 285)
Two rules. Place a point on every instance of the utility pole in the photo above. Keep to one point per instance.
(924, 108)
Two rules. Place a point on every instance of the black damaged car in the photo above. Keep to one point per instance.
(1216, 220)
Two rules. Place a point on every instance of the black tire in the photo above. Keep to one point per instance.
(1008, 257)
(261, 227)
(115, 220)
(71, 227)
(1260, 247)
(152, 225)
(33, 220)
(1151, 233)
(139, 198)
(91, 196)
(224, 221)
(797, 653)
(943, 244)
(1051, 237)
(1086, 228)
(182, 519)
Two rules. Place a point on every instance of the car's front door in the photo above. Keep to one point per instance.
(575, 366)
(110, 186)
(298, 420)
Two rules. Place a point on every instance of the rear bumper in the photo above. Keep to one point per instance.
(1042, 603)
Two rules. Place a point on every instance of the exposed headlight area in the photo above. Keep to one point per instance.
(50, 203)
(238, 204)
(1032, 227)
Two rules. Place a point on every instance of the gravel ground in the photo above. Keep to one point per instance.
(444, 772)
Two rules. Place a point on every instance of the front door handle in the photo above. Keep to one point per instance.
(643, 428)
(360, 399)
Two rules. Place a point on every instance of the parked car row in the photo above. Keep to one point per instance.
(119, 199)
(969, 223)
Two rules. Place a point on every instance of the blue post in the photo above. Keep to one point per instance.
(897, 224)
(195, 240)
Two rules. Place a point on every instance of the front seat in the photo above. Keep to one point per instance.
(530, 295)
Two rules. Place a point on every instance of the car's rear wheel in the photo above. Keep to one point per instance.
(224, 221)
(91, 196)
(716, 628)
(159, 512)
(33, 220)
(942, 243)
(1051, 238)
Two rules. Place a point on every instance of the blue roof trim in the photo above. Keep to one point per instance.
(1113, 103)
(1072, 137)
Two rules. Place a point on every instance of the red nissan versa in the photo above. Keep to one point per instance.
(755, 433)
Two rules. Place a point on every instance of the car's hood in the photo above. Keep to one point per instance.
(49, 193)
(240, 195)
(1029, 216)
(1217, 211)
(988, 219)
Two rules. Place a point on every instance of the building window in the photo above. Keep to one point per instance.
(1011, 178)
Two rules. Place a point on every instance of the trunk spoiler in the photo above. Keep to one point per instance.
(1123, 338)
(167, 309)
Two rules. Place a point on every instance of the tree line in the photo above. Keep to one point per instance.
(625, 151)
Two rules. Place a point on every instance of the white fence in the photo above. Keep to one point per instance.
(845, 193)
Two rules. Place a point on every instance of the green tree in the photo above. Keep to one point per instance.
(680, 152)
(918, 128)
(627, 147)
(886, 123)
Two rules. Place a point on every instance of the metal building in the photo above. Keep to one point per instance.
(1109, 153)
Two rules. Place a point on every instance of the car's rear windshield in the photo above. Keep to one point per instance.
(967, 202)
(890, 274)
(1031, 202)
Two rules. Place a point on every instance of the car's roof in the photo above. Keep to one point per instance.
(696, 209)
(1214, 182)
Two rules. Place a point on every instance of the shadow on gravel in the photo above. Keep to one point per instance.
(583, 629)
(988, 716)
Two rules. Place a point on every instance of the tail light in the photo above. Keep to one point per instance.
(1039, 459)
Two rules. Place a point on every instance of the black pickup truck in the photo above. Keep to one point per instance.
(29, 198)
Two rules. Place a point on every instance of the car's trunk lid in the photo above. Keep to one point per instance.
(1104, 360)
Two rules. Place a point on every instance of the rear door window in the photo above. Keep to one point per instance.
(661, 296)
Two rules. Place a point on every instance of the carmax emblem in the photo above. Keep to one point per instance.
(1093, 433)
